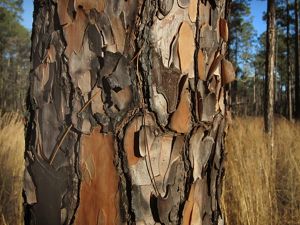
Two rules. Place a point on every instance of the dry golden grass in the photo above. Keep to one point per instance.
(262, 187)
(11, 168)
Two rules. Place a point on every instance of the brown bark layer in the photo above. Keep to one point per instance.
(128, 112)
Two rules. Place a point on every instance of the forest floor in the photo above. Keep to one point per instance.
(261, 187)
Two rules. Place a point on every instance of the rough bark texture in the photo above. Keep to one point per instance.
(270, 61)
(127, 112)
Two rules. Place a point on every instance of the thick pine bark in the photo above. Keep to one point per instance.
(127, 112)
(270, 60)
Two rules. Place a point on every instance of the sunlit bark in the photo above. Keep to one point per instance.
(128, 112)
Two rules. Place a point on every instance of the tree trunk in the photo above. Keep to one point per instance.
(288, 67)
(297, 74)
(127, 112)
(270, 58)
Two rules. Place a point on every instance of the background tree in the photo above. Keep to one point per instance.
(297, 74)
(270, 60)
(240, 52)
(14, 56)
(127, 112)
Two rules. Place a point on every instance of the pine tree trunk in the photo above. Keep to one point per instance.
(270, 60)
(297, 74)
(127, 112)
(288, 67)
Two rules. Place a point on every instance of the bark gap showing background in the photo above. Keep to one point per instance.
(127, 112)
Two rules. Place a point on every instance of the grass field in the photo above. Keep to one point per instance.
(260, 187)
(11, 168)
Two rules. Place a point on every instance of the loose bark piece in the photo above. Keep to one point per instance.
(122, 98)
(181, 118)
(195, 152)
(160, 106)
(110, 62)
(120, 77)
(131, 137)
(209, 107)
(141, 173)
(81, 62)
(186, 47)
(208, 37)
(29, 188)
(196, 218)
(204, 12)
(42, 72)
(103, 25)
(97, 103)
(228, 72)
(164, 159)
(95, 39)
(167, 82)
(102, 188)
(188, 207)
(201, 65)
(221, 101)
(74, 42)
(62, 9)
(193, 10)
(146, 139)
(214, 68)
(223, 29)
(141, 196)
(168, 205)
(165, 31)
(87, 5)
(113, 12)
(183, 3)
(84, 83)
(165, 6)
(51, 54)
(176, 153)
(49, 137)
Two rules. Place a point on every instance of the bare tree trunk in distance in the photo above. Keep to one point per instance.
(127, 112)
(297, 74)
(269, 77)
(288, 69)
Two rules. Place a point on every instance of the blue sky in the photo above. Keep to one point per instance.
(27, 13)
(257, 9)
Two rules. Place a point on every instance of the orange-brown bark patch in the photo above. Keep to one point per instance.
(99, 197)
(87, 5)
(186, 47)
(201, 66)
(181, 118)
(62, 8)
(74, 33)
